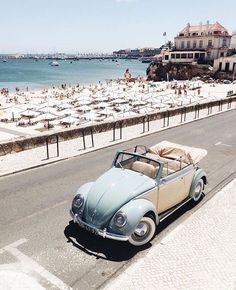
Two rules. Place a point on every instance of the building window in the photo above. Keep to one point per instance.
(173, 55)
(194, 44)
(177, 55)
(200, 43)
(227, 66)
(234, 66)
(224, 42)
(221, 54)
(182, 44)
(183, 55)
(220, 66)
(166, 57)
(188, 44)
(190, 55)
(197, 55)
(202, 55)
(210, 43)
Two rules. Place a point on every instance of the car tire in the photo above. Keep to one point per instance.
(143, 232)
(197, 193)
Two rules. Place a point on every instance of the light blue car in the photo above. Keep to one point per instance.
(142, 188)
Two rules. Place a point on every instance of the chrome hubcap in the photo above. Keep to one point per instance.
(197, 191)
(141, 229)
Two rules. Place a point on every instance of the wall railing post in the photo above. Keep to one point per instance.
(83, 139)
(92, 140)
(114, 131)
(57, 145)
(164, 119)
(47, 148)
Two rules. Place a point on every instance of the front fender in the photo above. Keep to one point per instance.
(199, 174)
(84, 189)
(134, 210)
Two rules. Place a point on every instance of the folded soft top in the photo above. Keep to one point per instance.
(176, 151)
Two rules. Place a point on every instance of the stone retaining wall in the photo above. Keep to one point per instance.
(20, 144)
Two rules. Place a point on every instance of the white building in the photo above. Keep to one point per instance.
(227, 64)
(200, 42)
(233, 41)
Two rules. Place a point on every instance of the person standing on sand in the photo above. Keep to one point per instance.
(127, 75)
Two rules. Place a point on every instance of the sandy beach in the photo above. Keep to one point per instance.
(26, 113)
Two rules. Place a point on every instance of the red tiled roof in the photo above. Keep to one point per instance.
(212, 27)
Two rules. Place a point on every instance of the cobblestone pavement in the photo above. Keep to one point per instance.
(199, 254)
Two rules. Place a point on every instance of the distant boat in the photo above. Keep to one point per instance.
(54, 63)
(4, 60)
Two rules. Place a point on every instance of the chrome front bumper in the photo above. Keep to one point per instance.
(102, 233)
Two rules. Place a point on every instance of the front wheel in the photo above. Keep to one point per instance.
(198, 190)
(143, 232)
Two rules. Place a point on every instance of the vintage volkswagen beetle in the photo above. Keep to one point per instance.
(142, 188)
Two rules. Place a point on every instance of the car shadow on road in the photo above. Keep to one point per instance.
(99, 247)
(114, 250)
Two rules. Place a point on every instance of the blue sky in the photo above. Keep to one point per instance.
(35, 26)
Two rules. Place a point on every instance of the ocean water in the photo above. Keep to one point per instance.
(23, 73)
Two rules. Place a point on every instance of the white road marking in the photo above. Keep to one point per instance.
(220, 143)
(31, 265)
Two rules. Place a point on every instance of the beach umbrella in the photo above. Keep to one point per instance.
(13, 112)
(87, 92)
(119, 101)
(67, 112)
(91, 116)
(46, 117)
(101, 98)
(106, 111)
(138, 103)
(65, 106)
(84, 102)
(84, 108)
(127, 114)
(102, 105)
(145, 110)
(29, 114)
(48, 110)
(69, 120)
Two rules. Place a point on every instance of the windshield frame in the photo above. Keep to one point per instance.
(137, 157)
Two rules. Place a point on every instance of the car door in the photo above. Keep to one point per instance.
(171, 191)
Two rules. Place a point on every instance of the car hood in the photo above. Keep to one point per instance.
(111, 191)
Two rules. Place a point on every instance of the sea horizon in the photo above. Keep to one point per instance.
(31, 74)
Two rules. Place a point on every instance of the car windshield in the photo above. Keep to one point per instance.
(138, 163)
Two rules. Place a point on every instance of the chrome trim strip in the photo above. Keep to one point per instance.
(173, 210)
(102, 233)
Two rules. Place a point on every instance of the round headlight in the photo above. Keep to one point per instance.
(78, 201)
(120, 219)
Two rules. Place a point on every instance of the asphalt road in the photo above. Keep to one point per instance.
(34, 205)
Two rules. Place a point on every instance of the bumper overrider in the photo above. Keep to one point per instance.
(96, 231)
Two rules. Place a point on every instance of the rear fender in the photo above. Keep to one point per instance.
(134, 211)
(199, 174)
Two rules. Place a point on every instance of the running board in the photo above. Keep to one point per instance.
(172, 210)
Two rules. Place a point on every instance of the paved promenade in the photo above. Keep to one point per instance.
(198, 254)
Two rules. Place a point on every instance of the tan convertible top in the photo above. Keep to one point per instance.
(172, 150)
